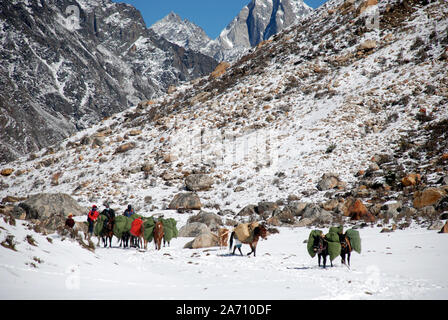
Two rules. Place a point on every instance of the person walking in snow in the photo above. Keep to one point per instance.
(129, 211)
(92, 217)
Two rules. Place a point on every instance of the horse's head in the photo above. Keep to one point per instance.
(319, 244)
(261, 231)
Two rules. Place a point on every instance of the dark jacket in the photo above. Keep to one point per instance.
(69, 222)
(109, 213)
(128, 212)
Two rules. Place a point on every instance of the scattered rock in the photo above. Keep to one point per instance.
(284, 215)
(330, 181)
(297, 208)
(193, 229)
(436, 225)
(185, 201)
(358, 211)
(45, 205)
(6, 172)
(304, 222)
(212, 220)
(411, 180)
(198, 182)
(248, 210)
(220, 69)
(204, 240)
(125, 147)
(427, 197)
(266, 208)
(392, 208)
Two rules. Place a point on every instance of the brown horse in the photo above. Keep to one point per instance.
(259, 231)
(158, 234)
(223, 236)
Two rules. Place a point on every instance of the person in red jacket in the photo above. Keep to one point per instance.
(91, 218)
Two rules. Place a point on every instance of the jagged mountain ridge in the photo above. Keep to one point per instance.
(257, 21)
(325, 96)
(58, 77)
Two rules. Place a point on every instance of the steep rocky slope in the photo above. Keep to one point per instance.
(365, 106)
(68, 64)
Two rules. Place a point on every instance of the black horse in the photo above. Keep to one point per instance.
(124, 241)
(320, 246)
(108, 232)
(346, 248)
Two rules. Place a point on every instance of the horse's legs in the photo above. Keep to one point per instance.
(343, 257)
(324, 256)
(348, 258)
(251, 248)
(318, 258)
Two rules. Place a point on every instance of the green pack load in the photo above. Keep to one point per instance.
(99, 225)
(148, 225)
(355, 239)
(122, 225)
(334, 246)
(337, 230)
(313, 235)
(169, 229)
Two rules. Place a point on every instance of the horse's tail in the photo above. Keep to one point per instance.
(231, 239)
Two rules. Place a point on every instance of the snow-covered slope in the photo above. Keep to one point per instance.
(408, 264)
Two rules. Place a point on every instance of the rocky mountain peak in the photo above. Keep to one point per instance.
(68, 64)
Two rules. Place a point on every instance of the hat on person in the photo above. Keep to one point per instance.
(70, 215)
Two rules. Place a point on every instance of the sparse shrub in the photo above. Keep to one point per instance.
(38, 260)
(417, 43)
(30, 240)
(49, 240)
(9, 243)
(331, 148)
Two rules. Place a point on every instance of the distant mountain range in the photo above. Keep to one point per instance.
(257, 21)
(66, 65)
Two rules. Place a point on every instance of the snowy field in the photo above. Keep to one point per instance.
(405, 264)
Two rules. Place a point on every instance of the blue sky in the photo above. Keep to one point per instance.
(211, 15)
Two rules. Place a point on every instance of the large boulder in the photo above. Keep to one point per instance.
(198, 182)
(427, 197)
(45, 205)
(358, 211)
(266, 208)
(330, 181)
(297, 207)
(392, 208)
(212, 220)
(248, 210)
(185, 201)
(284, 215)
(193, 229)
(317, 214)
(204, 240)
